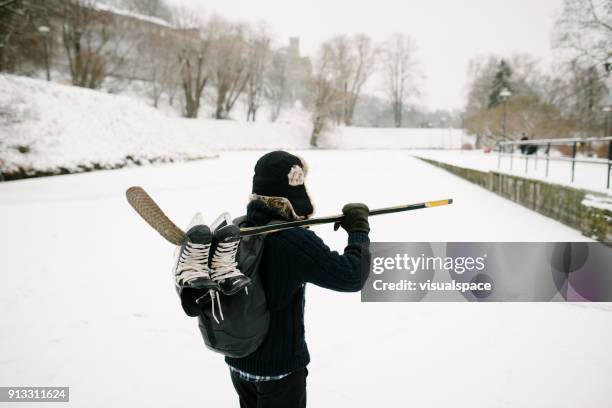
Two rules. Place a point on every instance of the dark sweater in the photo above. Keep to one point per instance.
(292, 258)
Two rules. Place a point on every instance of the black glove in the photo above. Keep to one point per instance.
(355, 218)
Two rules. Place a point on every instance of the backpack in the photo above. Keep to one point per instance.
(246, 317)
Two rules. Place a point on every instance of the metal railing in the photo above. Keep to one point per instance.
(574, 142)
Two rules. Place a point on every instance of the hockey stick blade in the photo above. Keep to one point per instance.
(153, 215)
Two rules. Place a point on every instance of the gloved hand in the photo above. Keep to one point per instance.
(355, 218)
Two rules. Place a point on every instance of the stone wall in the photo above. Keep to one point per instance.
(562, 203)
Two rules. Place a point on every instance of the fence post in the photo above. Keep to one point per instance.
(547, 158)
(499, 158)
(609, 162)
(573, 159)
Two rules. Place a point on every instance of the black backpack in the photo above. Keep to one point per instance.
(246, 317)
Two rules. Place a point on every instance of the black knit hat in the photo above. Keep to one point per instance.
(281, 174)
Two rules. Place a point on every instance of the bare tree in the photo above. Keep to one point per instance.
(365, 58)
(194, 69)
(277, 87)
(585, 89)
(353, 61)
(526, 76)
(583, 32)
(161, 70)
(92, 42)
(401, 73)
(259, 56)
(481, 73)
(585, 29)
(342, 64)
(230, 66)
(194, 77)
(325, 95)
(21, 38)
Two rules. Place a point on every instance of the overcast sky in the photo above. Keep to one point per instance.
(448, 32)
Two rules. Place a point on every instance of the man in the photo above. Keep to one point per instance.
(527, 148)
(274, 375)
(523, 146)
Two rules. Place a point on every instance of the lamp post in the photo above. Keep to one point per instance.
(44, 31)
(504, 95)
(607, 109)
(607, 132)
(608, 113)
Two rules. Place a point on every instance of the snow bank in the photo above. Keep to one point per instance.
(588, 176)
(52, 128)
(394, 138)
(48, 128)
(603, 203)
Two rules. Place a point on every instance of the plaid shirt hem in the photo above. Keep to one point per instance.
(256, 378)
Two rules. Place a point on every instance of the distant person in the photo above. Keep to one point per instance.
(531, 149)
(527, 148)
(523, 146)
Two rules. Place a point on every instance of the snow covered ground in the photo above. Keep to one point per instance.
(588, 176)
(67, 127)
(48, 127)
(86, 296)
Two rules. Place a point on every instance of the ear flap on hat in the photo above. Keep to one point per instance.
(296, 176)
(281, 204)
(304, 165)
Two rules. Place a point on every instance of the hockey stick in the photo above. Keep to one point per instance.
(338, 218)
(155, 217)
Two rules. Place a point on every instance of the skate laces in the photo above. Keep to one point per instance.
(223, 264)
(214, 295)
(193, 262)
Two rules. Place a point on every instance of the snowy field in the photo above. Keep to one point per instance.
(88, 302)
(588, 176)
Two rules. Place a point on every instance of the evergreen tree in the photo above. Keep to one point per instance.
(501, 81)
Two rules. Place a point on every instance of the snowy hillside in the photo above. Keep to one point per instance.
(48, 128)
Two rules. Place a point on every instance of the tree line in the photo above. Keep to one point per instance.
(565, 101)
(195, 60)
